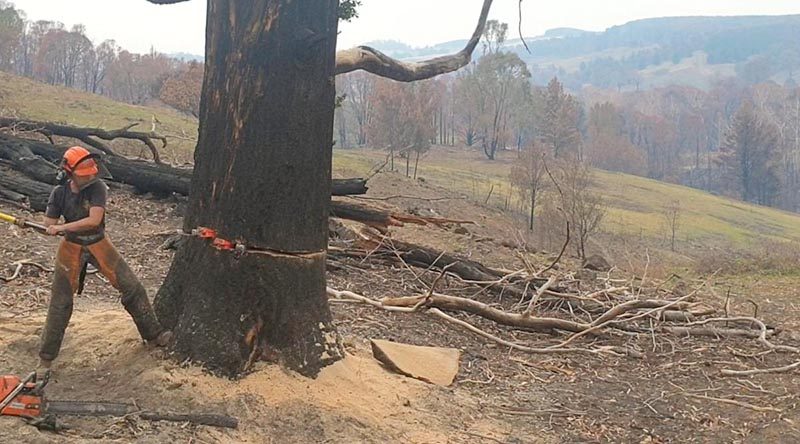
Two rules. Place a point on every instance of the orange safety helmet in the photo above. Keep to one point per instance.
(78, 161)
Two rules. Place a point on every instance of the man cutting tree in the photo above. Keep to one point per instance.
(81, 201)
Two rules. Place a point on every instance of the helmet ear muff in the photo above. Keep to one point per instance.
(63, 172)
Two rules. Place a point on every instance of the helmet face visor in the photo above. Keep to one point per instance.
(85, 167)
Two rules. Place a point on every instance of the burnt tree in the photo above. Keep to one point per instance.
(266, 123)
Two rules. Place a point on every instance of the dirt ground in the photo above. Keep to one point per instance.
(674, 394)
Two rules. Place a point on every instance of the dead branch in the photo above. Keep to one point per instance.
(784, 369)
(469, 270)
(707, 331)
(762, 335)
(89, 135)
(612, 315)
(438, 313)
(610, 350)
(402, 196)
(454, 303)
(378, 63)
(735, 402)
(18, 268)
(539, 293)
(561, 253)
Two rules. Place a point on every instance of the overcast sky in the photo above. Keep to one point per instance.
(138, 25)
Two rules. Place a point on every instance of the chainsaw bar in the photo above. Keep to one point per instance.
(95, 408)
(89, 408)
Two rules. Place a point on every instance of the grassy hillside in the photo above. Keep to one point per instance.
(34, 100)
(636, 204)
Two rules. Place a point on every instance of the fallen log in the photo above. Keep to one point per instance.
(18, 152)
(27, 156)
(38, 160)
(429, 258)
(466, 269)
(87, 135)
(372, 217)
(348, 187)
(381, 219)
(36, 192)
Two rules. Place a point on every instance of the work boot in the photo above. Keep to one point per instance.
(163, 339)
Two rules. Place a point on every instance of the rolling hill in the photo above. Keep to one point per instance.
(645, 53)
(635, 203)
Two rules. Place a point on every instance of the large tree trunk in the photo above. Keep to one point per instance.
(262, 177)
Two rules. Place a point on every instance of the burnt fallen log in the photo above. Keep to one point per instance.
(348, 187)
(32, 157)
(16, 184)
(87, 135)
(18, 153)
(383, 218)
(464, 268)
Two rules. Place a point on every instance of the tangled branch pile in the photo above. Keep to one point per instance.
(581, 312)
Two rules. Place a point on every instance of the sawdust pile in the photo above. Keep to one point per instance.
(354, 400)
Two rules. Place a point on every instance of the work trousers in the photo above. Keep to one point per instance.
(70, 260)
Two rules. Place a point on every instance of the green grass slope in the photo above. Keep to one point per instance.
(635, 205)
(29, 99)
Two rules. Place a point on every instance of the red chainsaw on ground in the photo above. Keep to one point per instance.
(25, 398)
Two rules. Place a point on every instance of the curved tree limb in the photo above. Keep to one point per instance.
(378, 63)
(87, 135)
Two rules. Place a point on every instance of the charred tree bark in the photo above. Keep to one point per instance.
(13, 184)
(262, 177)
(19, 153)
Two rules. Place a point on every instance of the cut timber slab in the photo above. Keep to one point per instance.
(430, 364)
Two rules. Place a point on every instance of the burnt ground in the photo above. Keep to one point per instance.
(675, 393)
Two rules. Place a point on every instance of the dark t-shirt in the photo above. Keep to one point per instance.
(75, 206)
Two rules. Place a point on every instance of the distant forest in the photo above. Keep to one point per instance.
(736, 134)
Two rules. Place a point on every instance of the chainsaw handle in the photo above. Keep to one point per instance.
(13, 394)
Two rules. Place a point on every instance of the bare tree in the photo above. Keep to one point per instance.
(494, 36)
(672, 220)
(358, 88)
(583, 208)
(499, 79)
(12, 28)
(467, 104)
(401, 119)
(528, 175)
(96, 65)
